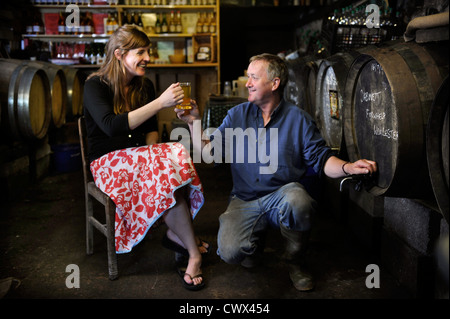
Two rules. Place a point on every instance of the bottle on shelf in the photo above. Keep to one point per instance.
(38, 25)
(164, 25)
(29, 28)
(179, 26)
(82, 23)
(199, 27)
(172, 22)
(61, 23)
(109, 24)
(127, 18)
(212, 23)
(151, 53)
(205, 28)
(76, 29)
(138, 20)
(87, 52)
(89, 24)
(114, 21)
(158, 24)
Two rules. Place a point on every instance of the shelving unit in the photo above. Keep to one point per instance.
(155, 9)
(203, 74)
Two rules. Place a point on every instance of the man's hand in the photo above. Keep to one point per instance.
(361, 166)
(189, 116)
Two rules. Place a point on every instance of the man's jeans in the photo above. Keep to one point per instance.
(243, 223)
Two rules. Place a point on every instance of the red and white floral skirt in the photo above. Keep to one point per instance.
(141, 181)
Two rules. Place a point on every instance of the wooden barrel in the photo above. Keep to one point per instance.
(300, 88)
(58, 88)
(437, 148)
(389, 92)
(75, 86)
(330, 87)
(27, 93)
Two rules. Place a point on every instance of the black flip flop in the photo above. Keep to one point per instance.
(182, 272)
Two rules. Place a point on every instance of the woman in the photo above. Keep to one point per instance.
(145, 180)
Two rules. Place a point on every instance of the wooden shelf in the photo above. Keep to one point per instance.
(68, 37)
(155, 65)
(184, 65)
(120, 6)
(205, 75)
(93, 37)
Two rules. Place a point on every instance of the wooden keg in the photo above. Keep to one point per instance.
(330, 87)
(25, 90)
(389, 92)
(74, 93)
(301, 85)
(58, 88)
(437, 141)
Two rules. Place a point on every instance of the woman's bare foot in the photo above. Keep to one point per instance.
(193, 270)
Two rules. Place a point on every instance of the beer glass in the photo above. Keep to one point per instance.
(186, 103)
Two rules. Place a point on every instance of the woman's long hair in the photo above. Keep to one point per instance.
(113, 71)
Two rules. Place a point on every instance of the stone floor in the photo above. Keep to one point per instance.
(43, 231)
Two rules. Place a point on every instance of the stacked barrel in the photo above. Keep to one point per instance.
(40, 103)
(376, 104)
(388, 103)
(37, 96)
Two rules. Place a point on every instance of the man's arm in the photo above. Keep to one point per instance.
(336, 168)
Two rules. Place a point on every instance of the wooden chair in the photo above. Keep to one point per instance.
(93, 192)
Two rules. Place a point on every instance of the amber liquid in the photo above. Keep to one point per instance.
(186, 104)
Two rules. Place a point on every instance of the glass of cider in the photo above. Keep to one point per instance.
(186, 103)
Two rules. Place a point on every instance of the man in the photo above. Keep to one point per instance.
(266, 189)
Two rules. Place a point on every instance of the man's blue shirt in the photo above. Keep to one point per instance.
(264, 160)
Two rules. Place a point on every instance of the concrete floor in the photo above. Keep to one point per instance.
(43, 231)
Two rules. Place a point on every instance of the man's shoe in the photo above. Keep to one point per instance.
(302, 280)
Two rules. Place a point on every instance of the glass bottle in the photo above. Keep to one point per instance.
(61, 23)
(199, 28)
(164, 26)
(205, 28)
(212, 23)
(179, 26)
(172, 22)
(109, 24)
(158, 24)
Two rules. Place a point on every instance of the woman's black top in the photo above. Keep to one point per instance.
(107, 131)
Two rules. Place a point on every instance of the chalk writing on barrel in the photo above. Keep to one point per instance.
(375, 116)
(369, 97)
(388, 133)
(377, 68)
(378, 130)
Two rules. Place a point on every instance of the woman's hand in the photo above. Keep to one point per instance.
(189, 116)
(172, 96)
